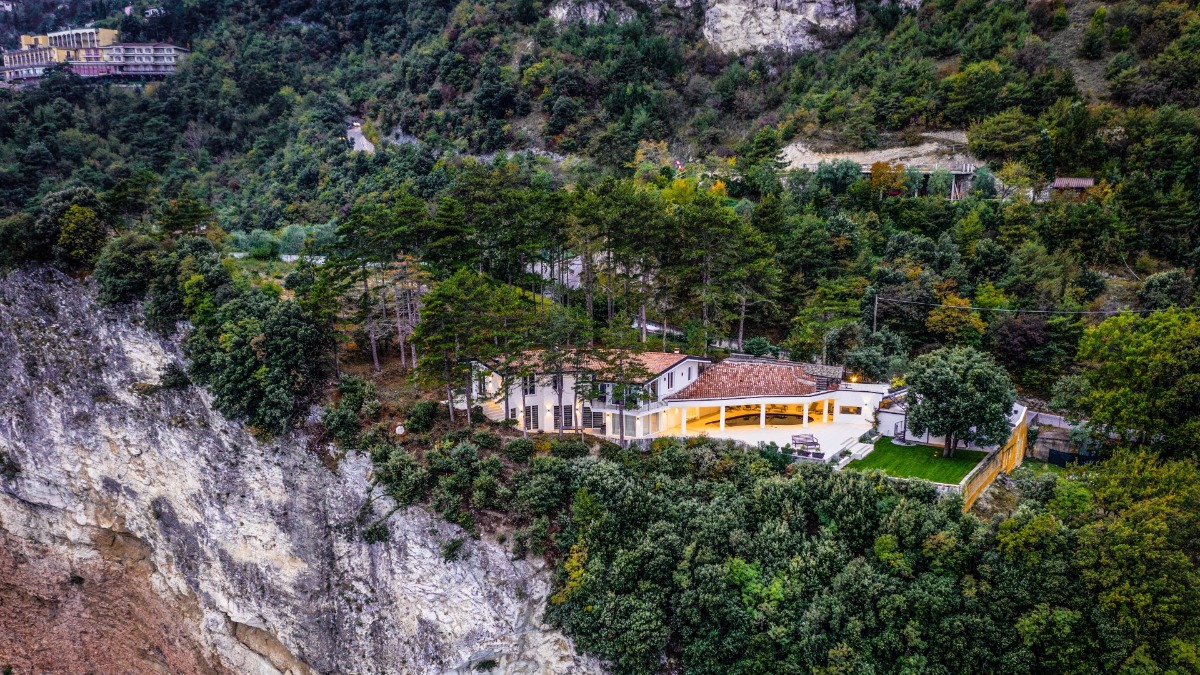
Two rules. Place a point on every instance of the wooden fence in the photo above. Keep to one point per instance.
(1005, 459)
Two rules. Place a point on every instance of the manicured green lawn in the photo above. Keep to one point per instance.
(918, 461)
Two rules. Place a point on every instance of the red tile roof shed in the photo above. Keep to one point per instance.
(1073, 183)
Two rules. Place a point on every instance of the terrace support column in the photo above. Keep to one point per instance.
(683, 421)
(762, 416)
(804, 414)
(832, 411)
(722, 418)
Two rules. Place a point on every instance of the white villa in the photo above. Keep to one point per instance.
(742, 398)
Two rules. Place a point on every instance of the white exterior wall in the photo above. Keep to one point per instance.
(546, 398)
(864, 396)
(888, 419)
(861, 395)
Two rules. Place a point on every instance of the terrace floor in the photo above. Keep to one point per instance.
(919, 461)
(833, 437)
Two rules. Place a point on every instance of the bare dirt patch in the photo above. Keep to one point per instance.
(940, 147)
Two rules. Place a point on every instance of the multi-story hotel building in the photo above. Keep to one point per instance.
(89, 52)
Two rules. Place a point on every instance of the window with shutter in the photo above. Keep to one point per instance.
(531, 417)
(564, 417)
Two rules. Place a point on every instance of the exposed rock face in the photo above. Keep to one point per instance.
(142, 532)
(736, 26)
(789, 25)
(588, 11)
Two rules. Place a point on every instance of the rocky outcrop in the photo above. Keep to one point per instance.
(174, 541)
(737, 26)
(588, 11)
(788, 25)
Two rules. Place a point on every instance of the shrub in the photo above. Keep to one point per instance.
(173, 377)
(569, 449)
(610, 451)
(262, 245)
(342, 423)
(453, 550)
(759, 346)
(486, 440)
(488, 492)
(455, 436)
(421, 416)
(1061, 19)
(404, 478)
(8, 466)
(81, 237)
(778, 460)
(125, 268)
(1165, 289)
(519, 450)
(376, 532)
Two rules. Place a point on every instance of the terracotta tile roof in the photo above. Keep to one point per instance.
(741, 379)
(1064, 183)
(813, 369)
(818, 370)
(660, 362)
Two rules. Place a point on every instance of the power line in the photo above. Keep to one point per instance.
(875, 315)
(1109, 312)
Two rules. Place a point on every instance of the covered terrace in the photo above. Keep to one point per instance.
(755, 401)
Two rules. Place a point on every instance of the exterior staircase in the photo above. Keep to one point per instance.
(857, 450)
(493, 411)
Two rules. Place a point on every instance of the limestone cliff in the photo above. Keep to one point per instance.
(788, 25)
(737, 26)
(142, 532)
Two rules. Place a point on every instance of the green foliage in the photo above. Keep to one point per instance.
(486, 440)
(421, 416)
(401, 474)
(9, 468)
(81, 237)
(568, 449)
(376, 532)
(125, 268)
(260, 356)
(452, 550)
(1092, 45)
(961, 394)
(519, 450)
(1172, 288)
(1138, 383)
(174, 376)
(358, 403)
(759, 346)
(1006, 135)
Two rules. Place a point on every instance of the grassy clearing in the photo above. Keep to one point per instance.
(918, 461)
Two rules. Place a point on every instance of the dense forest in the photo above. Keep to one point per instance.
(506, 143)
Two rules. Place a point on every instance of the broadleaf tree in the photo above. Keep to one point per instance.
(962, 394)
